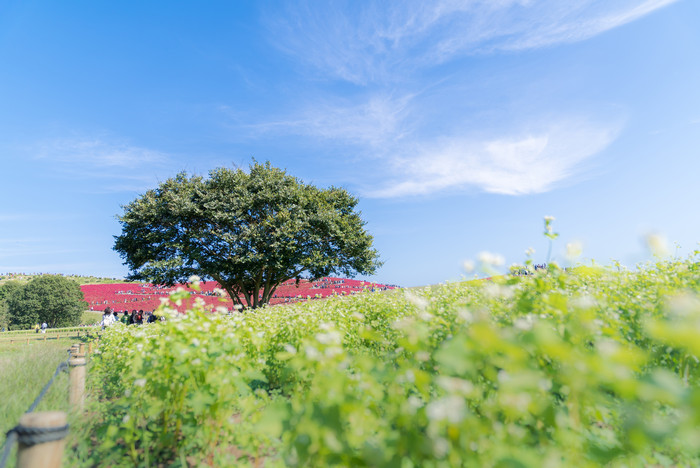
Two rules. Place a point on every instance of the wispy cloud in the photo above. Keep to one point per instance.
(516, 164)
(390, 51)
(114, 166)
(370, 122)
(385, 41)
(98, 153)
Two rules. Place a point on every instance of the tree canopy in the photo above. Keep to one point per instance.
(249, 231)
(53, 299)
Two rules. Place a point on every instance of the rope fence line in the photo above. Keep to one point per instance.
(49, 337)
(41, 435)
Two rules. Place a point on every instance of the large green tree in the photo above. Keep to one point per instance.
(249, 231)
(53, 299)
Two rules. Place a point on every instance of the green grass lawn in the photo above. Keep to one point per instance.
(26, 368)
(90, 317)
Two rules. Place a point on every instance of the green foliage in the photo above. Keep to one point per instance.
(6, 290)
(53, 299)
(554, 369)
(248, 231)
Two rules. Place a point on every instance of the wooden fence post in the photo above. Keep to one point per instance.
(81, 349)
(77, 382)
(90, 347)
(44, 449)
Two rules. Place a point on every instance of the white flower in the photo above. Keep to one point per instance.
(312, 353)
(194, 279)
(455, 385)
(488, 258)
(530, 252)
(657, 244)
(518, 401)
(549, 218)
(414, 403)
(140, 382)
(465, 315)
(422, 356)
(573, 250)
(417, 301)
(468, 266)
(524, 323)
(333, 351)
(332, 337)
(441, 447)
(425, 316)
(451, 408)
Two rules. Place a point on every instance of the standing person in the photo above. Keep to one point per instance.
(36, 328)
(106, 318)
(125, 317)
(132, 317)
(44, 326)
(115, 317)
(139, 317)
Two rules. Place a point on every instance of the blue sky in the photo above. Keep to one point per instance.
(459, 125)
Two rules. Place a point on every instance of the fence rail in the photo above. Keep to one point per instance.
(26, 339)
(49, 330)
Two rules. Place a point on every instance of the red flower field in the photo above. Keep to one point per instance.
(145, 296)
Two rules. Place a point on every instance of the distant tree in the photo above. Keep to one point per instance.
(4, 318)
(53, 299)
(6, 289)
(248, 231)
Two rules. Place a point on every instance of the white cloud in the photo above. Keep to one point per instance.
(371, 122)
(386, 41)
(412, 126)
(98, 153)
(111, 165)
(511, 165)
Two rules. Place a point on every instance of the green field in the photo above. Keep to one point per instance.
(595, 367)
(25, 370)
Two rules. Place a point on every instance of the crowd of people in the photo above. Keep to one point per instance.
(526, 272)
(136, 317)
